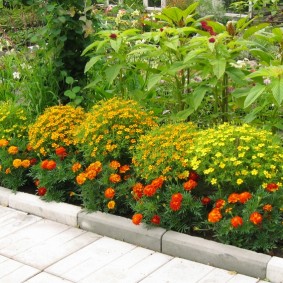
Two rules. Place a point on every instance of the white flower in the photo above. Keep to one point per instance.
(16, 75)
(267, 81)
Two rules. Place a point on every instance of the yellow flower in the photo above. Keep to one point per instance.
(213, 181)
(17, 163)
(254, 172)
(13, 150)
(239, 181)
(222, 165)
(111, 204)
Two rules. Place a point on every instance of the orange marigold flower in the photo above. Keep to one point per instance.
(3, 142)
(26, 163)
(91, 174)
(114, 164)
(177, 197)
(111, 204)
(137, 191)
(17, 163)
(115, 178)
(205, 200)
(123, 169)
(236, 221)
(233, 198)
(137, 218)
(220, 203)
(96, 166)
(13, 150)
(71, 193)
(36, 182)
(76, 167)
(8, 171)
(51, 164)
(81, 178)
(44, 164)
(267, 207)
(149, 190)
(175, 205)
(155, 219)
(244, 197)
(61, 152)
(29, 147)
(256, 218)
(214, 215)
(158, 182)
(272, 187)
(190, 185)
(41, 191)
(109, 193)
(193, 176)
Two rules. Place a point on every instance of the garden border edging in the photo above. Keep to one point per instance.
(158, 239)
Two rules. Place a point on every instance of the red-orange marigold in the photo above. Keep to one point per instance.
(158, 182)
(51, 164)
(214, 215)
(267, 207)
(114, 164)
(137, 191)
(220, 203)
(123, 169)
(109, 193)
(190, 185)
(149, 190)
(256, 218)
(61, 152)
(155, 219)
(236, 221)
(175, 205)
(244, 197)
(115, 178)
(205, 200)
(177, 197)
(233, 198)
(137, 218)
(272, 187)
(193, 176)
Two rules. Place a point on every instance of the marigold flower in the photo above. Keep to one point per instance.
(91, 174)
(267, 207)
(123, 169)
(155, 219)
(41, 191)
(8, 171)
(175, 205)
(13, 150)
(177, 197)
(220, 203)
(71, 194)
(193, 176)
(256, 218)
(244, 197)
(214, 215)
(29, 147)
(115, 178)
(44, 164)
(190, 185)
(233, 198)
(158, 182)
(205, 200)
(111, 204)
(137, 218)
(149, 190)
(81, 178)
(17, 163)
(137, 190)
(272, 187)
(26, 163)
(236, 221)
(51, 164)
(33, 161)
(109, 193)
(76, 167)
(3, 142)
(61, 152)
(114, 164)
(36, 182)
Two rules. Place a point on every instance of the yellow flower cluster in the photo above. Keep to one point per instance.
(55, 128)
(13, 121)
(112, 127)
(238, 155)
(162, 151)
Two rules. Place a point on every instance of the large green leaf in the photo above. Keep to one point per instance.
(219, 66)
(262, 55)
(116, 44)
(254, 94)
(192, 54)
(153, 80)
(198, 95)
(237, 76)
(277, 90)
(250, 31)
(112, 72)
(92, 62)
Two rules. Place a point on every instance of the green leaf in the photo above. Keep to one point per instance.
(237, 76)
(89, 47)
(172, 44)
(112, 72)
(76, 89)
(217, 27)
(250, 31)
(69, 80)
(153, 79)
(93, 83)
(70, 94)
(219, 66)
(262, 55)
(184, 114)
(116, 44)
(92, 62)
(198, 96)
(277, 90)
(192, 54)
(253, 114)
(254, 94)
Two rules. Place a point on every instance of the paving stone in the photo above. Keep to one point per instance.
(274, 271)
(240, 278)
(179, 271)
(217, 276)
(131, 267)
(89, 259)
(212, 253)
(4, 196)
(60, 212)
(47, 278)
(14, 272)
(122, 229)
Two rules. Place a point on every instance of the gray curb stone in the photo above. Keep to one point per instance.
(4, 196)
(215, 254)
(122, 229)
(60, 212)
(275, 270)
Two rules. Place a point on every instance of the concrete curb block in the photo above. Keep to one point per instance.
(158, 239)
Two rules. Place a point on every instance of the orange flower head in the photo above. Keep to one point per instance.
(81, 178)
(267, 207)
(272, 187)
(175, 205)
(244, 197)
(61, 152)
(29, 147)
(3, 143)
(8, 171)
(96, 166)
(41, 191)
(137, 218)
(44, 164)
(109, 193)
(13, 150)
(214, 215)
(114, 164)
(177, 197)
(233, 198)
(155, 220)
(220, 203)
(137, 191)
(158, 182)
(256, 218)
(76, 167)
(190, 185)
(91, 174)
(51, 165)
(205, 200)
(237, 221)
(149, 190)
(17, 163)
(123, 169)
(193, 176)
(115, 178)
(111, 204)
(36, 182)
(26, 163)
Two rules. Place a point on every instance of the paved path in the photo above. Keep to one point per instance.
(37, 250)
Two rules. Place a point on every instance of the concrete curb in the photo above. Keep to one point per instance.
(158, 239)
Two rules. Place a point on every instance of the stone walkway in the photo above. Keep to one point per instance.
(37, 250)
